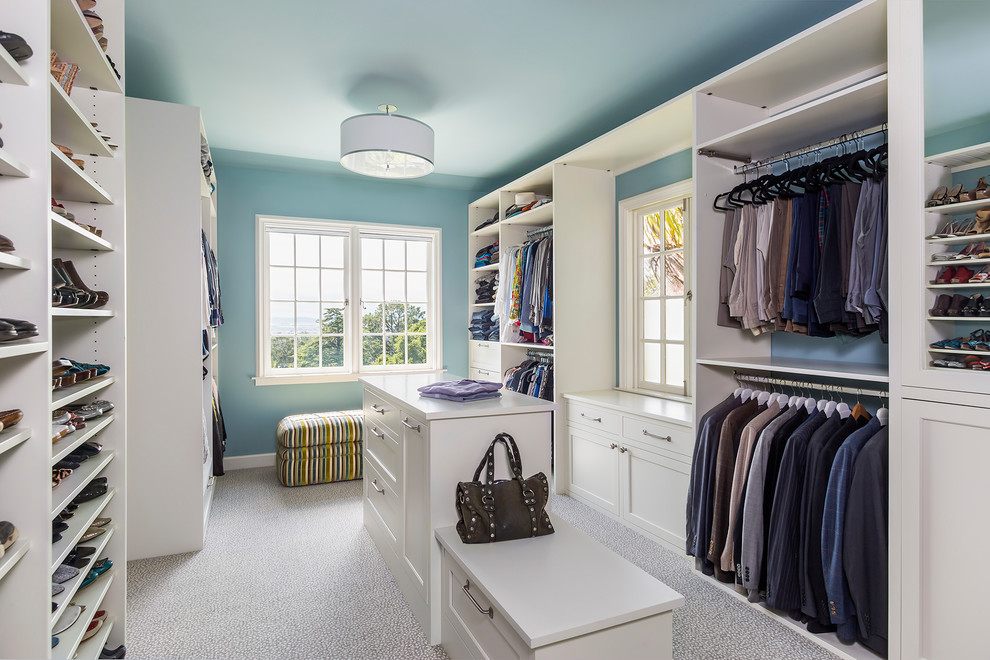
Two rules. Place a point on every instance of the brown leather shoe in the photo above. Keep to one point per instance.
(10, 417)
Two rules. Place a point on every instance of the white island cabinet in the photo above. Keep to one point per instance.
(416, 449)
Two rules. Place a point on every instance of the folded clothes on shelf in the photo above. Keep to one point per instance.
(461, 390)
(484, 326)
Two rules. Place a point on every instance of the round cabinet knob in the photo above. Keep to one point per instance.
(613, 446)
(623, 450)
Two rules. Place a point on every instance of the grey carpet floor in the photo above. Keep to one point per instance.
(291, 573)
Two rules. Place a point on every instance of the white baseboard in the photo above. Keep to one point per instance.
(250, 461)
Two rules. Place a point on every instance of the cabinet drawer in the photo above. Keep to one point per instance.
(600, 419)
(485, 355)
(383, 500)
(477, 373)
(382, 412)
(381, 444)
(660, 436)
(490, 637)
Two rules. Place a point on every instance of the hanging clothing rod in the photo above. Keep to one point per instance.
(711, 153)
(539, 233)
(842, 139)
(541, 356)
(782, 382)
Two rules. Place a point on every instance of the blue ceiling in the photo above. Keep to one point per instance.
(507, 86)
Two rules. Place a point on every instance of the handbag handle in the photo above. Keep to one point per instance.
(512, 454)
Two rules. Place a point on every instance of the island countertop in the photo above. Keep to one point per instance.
(403, 388)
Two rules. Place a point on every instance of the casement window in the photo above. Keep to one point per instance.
(654, 290)
(338, 299)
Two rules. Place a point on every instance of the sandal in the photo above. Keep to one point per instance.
(979, 192)
(981, 276)
(955, 344)
(975, 337)
(953, 195)
(964, 227)
(937, 198)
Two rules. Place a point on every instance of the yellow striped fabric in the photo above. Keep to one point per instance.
(315, 429)
(318, 448)
(319, 465)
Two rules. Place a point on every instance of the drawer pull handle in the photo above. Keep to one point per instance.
(623, 450)
(378, 409)
(613, 446)
(405, 422)
(490, 611)
(594, 419)
(375, 431)
(658, 437)
(374, 484)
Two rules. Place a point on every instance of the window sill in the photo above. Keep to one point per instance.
(656, 395)
(302, 379)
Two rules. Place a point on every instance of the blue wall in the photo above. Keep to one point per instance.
(251, 412)
(659, 173)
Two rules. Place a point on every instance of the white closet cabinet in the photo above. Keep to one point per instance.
(582, 218)
(36, 113)
(629, 464)
(943, 450)
(171, 422)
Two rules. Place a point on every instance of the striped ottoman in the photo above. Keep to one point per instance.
(318, 448)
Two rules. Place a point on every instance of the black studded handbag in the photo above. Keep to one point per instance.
(505, 509)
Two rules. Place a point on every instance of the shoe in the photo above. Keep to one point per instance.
(16, 46)
(964, 227)
(945, 275)
(941, 307)
(100, 522)
(57, 589)
(937, 198)
(981, 223)
(982, 275)
(105, 406)
(94, 20)
(91, 491)
(22, 329)
(100, 615)
(947, 343)
(92, 533)
(70, 614)
(6, 245)
(58, 474)
(114, 653)
(59, 526)
(955, 307)
(952, 197)
(10, 417)
(54, 639)
(961, 276)
(83, 550)
(68, 273)
(86, 4)
(972, 307)
(945, 231)
(64, 573)
(94, 627)
(8, 534)
(965, 253)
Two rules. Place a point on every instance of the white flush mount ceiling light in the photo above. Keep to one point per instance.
(386, 145)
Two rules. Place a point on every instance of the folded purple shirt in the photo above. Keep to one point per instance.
(461, 390)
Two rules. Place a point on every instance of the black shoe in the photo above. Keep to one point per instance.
(118, 652)
(16, 46)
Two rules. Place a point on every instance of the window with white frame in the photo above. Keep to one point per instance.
(338, 299)
(655, 292)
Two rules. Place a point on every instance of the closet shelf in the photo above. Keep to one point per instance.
(959, 207)
(71, 128)
(964, 285)
(489, 267)
(92, 647)
(69, 183)
(956, 369)
(67, 235)
(11, 262)
(74, 42)
(955, 240)
(71, 486)
(957, 351)
(11, 72)
(873, 373)
(10, 438)
(82, 518)
(73, 393)
(12, 555)
(491, 304)
(91, 598)
(22, 348)
(66, 445)
(538, 217)
(490, 230)
(67, 312)
(72, 586)
(967, 158)
(958, 262)
(540, 347)
(847, 110)
(969, 319)
(10, 166)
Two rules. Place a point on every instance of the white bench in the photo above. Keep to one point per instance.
(558, 596)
